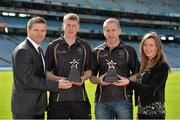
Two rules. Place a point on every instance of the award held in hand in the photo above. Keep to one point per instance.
(111, 75)
(74, 75)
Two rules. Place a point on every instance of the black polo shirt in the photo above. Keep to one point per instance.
(58, 57)
(127, 64)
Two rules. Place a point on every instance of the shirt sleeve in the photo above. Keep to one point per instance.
(88, 62)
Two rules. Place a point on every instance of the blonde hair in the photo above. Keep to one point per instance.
(71, 16)
(159, 56)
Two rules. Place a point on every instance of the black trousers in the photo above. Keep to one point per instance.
(27, 116)
(142, 116)
(69, 110)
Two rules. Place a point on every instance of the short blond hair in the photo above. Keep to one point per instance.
(71, 16)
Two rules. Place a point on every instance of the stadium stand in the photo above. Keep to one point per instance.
(137, 17)
(7, 47)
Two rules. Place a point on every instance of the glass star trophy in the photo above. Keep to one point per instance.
(111, 75)
(74, 75)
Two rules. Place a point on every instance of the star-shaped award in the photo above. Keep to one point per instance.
(111, 64)
(74, 63)
(74, 75)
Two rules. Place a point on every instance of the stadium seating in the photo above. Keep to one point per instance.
(134, 6)
(148, 7)
(16, 22)
(159, 7)
(137, 6)
(133, 30)
(7, 44)
(6, 48)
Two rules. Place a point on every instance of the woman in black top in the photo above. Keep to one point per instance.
(151, 81)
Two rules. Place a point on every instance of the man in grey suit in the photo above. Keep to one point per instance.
(29, 96)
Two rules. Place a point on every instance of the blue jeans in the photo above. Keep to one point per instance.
(114, 109)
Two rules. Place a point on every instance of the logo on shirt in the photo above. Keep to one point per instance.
(121, 53)
(103, 55)
(79, 51)
(61, 52)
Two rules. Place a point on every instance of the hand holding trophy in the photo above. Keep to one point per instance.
(101, 80)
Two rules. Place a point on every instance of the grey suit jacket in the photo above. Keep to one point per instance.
(29, 88)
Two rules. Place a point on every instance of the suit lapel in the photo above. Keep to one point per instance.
(37, 58)
(32, 47)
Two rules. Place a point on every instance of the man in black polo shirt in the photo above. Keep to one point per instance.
(113, 100)
(65, 54)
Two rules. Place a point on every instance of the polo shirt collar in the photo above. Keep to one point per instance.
(120, 45)
(64, 42)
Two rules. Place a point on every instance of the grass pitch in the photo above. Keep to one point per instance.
(172, 95)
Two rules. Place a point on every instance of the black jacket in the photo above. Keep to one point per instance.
(29, 87)
(127, 64)
(58, 57)
(152, 86)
